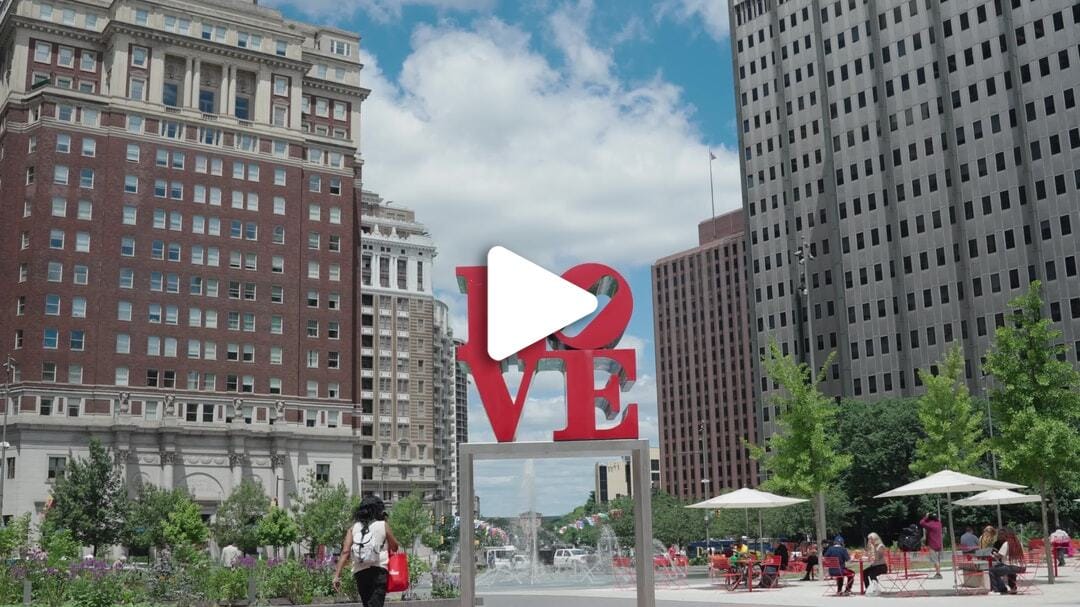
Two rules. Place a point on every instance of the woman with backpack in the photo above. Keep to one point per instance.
(368, 544)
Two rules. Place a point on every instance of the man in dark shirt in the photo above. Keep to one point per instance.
(838, 552)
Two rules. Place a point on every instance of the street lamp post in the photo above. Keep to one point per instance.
(9, 369)
(805, 257)
(704, 482)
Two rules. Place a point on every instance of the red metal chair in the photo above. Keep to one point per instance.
(829, 564)
(1025, 580)
(718, 566)
(900, 579)
(624, 572)
(771, 573)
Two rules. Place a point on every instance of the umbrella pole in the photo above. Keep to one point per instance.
(760, 545)
(747, 527)
(952, 541)
(999, 515)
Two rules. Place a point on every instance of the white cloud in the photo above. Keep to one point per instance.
(493, 144)
(379, 10)
(713, 14)
(585, 63)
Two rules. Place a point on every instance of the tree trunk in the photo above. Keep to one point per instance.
(1046, 536)
(819, 517)
(1057, 512)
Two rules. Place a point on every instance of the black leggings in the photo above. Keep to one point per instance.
(872, 573)
(371, 585)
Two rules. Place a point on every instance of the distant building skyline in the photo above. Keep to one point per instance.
(704, 362)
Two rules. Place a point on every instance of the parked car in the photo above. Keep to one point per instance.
(569, 558)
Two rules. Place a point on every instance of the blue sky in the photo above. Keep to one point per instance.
(567, 131)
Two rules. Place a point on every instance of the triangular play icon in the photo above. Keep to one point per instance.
(526, 303)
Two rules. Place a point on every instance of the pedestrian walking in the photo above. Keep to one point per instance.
(368, 544)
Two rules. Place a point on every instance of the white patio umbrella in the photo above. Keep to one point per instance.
(747, 499)
(948, 482)
(998, 497)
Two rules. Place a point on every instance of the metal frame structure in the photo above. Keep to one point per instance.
(469, 453)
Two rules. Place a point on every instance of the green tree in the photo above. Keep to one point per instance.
(15, 537)
(323, 512)
(952, 428)
(804, 457)
(880, 437)
(1036, 402)
(277, 529)
(90, 499)
(184, 531)
(237, 519)
(410, 519)
(144, 527)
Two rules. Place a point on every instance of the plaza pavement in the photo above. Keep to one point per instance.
(698, 593)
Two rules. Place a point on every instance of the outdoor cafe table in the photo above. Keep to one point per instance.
(742, 570)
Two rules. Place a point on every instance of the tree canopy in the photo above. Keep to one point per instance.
(277, 528)
(145, 525)
(237, 519)
(90, 499)
(322, 512)
(1035, 398)
(410, 520)
(804, 457)
(953, 431)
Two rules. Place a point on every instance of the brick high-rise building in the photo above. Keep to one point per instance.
(927, 154)
(178, 194)
(704, 361)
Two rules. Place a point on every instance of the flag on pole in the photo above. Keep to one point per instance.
(711, 155)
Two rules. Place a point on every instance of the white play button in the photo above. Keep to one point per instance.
(526, 303)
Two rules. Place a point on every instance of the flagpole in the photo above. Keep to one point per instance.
(712, 194)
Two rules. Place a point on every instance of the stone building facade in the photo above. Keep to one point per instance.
(407, 359)
(180, 240)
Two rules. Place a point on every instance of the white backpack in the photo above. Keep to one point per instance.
(364, 547)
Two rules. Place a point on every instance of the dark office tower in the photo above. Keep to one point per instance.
(925, 153)
(704, 367)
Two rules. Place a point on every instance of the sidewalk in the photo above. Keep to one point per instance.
(795, 594)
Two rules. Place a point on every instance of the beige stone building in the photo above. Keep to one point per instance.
(613, 479)
(407, 359)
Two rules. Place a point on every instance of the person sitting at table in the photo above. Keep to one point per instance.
(741, 546)
(1009, 561)
(875, 555)
(838, 552)
(810, 557)
(969, 542)
(781, 551)
(988, 537)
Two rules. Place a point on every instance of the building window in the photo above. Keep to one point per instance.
(56, 468)
(50, 338)
(139, 56)
(322, 473)
(42, 52)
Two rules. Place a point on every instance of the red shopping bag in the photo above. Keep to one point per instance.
(397, 569)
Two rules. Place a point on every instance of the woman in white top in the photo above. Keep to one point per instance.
(1009, 561)
(368, 544)
(875, 552)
